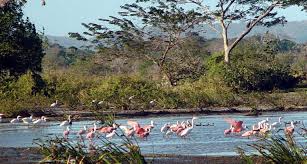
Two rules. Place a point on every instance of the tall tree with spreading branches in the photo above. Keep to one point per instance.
(252, 12)
(155, 29)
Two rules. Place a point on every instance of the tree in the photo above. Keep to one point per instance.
(4, 2)
(20, 45)
(154, 31)
(252, 12)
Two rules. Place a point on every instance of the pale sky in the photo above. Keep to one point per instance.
(59, 17)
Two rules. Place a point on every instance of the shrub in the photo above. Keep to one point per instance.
(18, 95)
(252, 68)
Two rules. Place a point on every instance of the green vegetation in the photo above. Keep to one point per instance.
(276, 150)
(20, 45)
(256, 65)
(172, 65)
(59, 150)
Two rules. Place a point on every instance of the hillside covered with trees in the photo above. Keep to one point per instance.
(167, 62)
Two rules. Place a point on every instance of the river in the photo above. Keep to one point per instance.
(203, 140)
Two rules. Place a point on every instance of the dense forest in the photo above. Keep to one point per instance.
(167, 63)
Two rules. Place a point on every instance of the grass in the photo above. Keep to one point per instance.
(59, 150)
(275, 150)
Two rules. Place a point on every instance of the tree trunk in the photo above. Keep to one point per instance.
(226, 56)
(225, 40)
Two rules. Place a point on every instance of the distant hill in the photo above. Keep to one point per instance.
(67, 41)
(295, 31)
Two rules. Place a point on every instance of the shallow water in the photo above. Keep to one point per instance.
(203, 140)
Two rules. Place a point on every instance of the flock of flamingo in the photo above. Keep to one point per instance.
(181, 129)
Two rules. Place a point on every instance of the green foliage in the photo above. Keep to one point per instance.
(276, 150)
(20, 45)
(253, 67)
(60, 150)
(115, 91)
(18, 95)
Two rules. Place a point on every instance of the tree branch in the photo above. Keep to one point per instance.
(227, 8)
(253, 24)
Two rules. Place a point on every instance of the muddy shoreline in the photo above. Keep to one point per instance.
(32, 155)
(58, 113)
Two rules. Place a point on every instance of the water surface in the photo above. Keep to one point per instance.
(203, 140)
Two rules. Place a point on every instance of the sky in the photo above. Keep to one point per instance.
(59, 17)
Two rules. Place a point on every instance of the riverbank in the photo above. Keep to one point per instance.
(32, 155)
(56, 113)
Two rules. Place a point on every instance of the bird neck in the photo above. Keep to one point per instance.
(192, 122)
(152, 123)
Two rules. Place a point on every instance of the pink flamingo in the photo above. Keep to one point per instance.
(82, 131)
(237, 125)
(250, 132)
(290, 129)
(128, 131)
(66, 132)
(187, 130)
(91, 135)
(228, 131)
(108, 129)
(139, 131)
(149, 127)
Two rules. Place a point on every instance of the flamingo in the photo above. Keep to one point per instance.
(55, 104)
(186, 131)
(175, 127)
(1, 115)
(82, 131)
(110, 135)
(40, 121)
(277, 124)
(250, 132)
(267, 128)
(66, 132)
(139, 131)
(16, 120)
(93, 128)
(27, 120)
(107, 129)
(91, 135)
(290, 129)
(67, 122)
(237, 125)
(149, 127)
(128, 132)
(165, 127)
(228, 131)
(261, 123)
